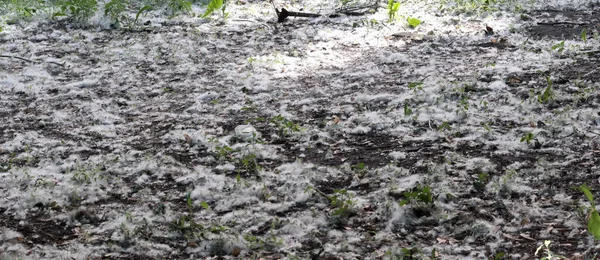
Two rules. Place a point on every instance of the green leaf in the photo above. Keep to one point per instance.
(584, 35)
(204, 205)
(407, 110)
(559, 46)
(189, 201)
(360, 166)
(143, 9)
(413, 22)
(594, 224)
(583, 188)
(415, 86)
(499, 256)
(214, 5)
(403, 202)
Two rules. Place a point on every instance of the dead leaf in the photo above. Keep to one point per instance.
(514, 80)
(192, 244)
(336, 120)
(236, 251)
(188, 139)
(532, 124)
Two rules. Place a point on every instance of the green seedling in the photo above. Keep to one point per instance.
(560, 47)
(548, 93)
(481, 181)
(189, 201)
(594, 217)
(584, 35)
(392, 8)
(420, 194)
(286, 127)
(415, 86)
(528, 137)
(407, 110)
(360, 168)
(180, 6)
(79, 10)
(213, 6)
(204, 205)
(413, 22)
(444, 126)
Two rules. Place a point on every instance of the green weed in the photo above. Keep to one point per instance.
(594, 217)
(215, 5)
(286, 127)
(548, 93)
(528, 137)
(419, 194)
(392, 8)
(413, 22)
(179, 6)
(78, 10)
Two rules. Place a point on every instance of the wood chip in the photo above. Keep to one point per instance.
(336, 120)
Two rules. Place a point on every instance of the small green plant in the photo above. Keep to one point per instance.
(594, 217)
(186, 225)
(180, 6)
(204, 205)
(86, 174)
(481, 181)
(24, 8)
(444, 126)
(584, 35)
(415, 86)
(215, 5)
(548, 93)
(407, 110)
(487, 127)
(392, 8)
(250, 164)
(115, 9)
(420, 194)
(360, 168)
(189, 201)
(285, 126)
(224, 152)
(549, 254)
(463, 104)
(413, 22)
(527, 137)
(342, 201)
(79, 10)
(560, 47)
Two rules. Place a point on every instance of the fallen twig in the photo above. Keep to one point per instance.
(284, 13)
(32, 61)
(557, 23)
(15, 57)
